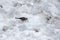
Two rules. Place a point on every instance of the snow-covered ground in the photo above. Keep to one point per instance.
(29, 19)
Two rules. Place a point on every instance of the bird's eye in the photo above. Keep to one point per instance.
(48, 18)
(22, 18)
(1, 6)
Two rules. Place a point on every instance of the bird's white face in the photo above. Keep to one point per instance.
(33, 20)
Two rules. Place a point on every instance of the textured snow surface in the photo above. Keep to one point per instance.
(42, 23)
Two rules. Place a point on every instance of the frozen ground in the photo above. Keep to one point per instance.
(29, 19)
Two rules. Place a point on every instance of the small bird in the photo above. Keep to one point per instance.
(22, 18)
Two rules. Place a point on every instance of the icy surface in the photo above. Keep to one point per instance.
(42, 23)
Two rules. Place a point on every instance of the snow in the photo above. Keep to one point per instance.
(43, 20)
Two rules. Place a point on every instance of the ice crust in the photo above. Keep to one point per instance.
(43, 21)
